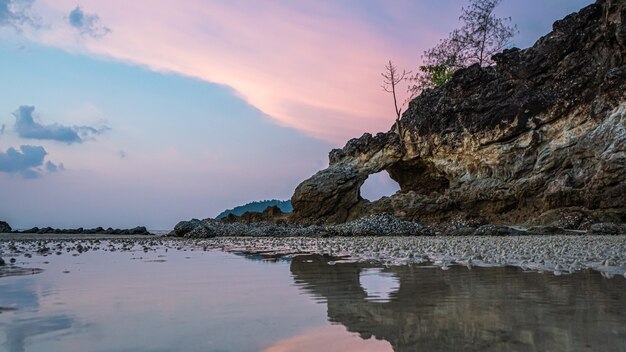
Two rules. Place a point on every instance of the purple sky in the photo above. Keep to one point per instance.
(123, 113)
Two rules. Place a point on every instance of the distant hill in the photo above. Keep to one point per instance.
(257, 207)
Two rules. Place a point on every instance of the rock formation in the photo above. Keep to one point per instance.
(5, 227)
(538, 138)
(139, 230)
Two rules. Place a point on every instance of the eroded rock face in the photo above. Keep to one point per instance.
(541, 132)
(333, 194)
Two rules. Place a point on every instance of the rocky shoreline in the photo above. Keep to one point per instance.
(556, 254)
(374, 225)
(5, 228)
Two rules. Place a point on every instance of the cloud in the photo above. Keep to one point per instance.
(312, 66)
(121, 154)
(52, 167)
(27, 161)
(87, 24)
(26, 127)
(2, 129)
(16, 13)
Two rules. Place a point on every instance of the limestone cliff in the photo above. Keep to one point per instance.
(540, 137)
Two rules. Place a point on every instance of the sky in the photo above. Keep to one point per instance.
(125, 113)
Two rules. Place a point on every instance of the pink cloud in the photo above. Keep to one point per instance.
(308, 65)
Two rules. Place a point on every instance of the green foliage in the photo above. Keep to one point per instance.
(481, 35)
(438, 74)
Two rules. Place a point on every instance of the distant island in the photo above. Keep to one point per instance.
(257, 207)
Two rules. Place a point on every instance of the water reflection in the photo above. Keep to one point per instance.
(378, 284)
(131, 301)
(473, 310)
(333, 338)
(198, 301)
(19, 293)
(23, 295)
(18, 330)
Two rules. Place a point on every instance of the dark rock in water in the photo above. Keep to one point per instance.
(608, 229)
(2, 262)
(5, 228)
(544, 130)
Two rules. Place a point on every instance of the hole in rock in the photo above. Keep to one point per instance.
(379, 185)
(378, 285)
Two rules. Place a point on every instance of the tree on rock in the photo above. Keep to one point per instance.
(481, 36)
(391, 79)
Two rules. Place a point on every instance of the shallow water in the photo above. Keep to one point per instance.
(166, 300)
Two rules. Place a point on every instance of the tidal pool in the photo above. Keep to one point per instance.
(168, 299)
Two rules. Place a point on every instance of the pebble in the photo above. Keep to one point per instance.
(559, 254)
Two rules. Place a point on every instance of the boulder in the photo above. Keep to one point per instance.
(184, 227)
(201, 231)
(5, 227)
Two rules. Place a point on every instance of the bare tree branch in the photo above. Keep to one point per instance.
(391, 78)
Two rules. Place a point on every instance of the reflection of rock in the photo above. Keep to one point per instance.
(10, 270)
(479, 310)
(23, 296)
(543, 130)
(21, 329)
(19, 294)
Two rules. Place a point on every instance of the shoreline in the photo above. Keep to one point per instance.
(375, 225)
(18, 236)
(556, 254)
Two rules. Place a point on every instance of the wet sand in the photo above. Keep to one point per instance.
(558, 254)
